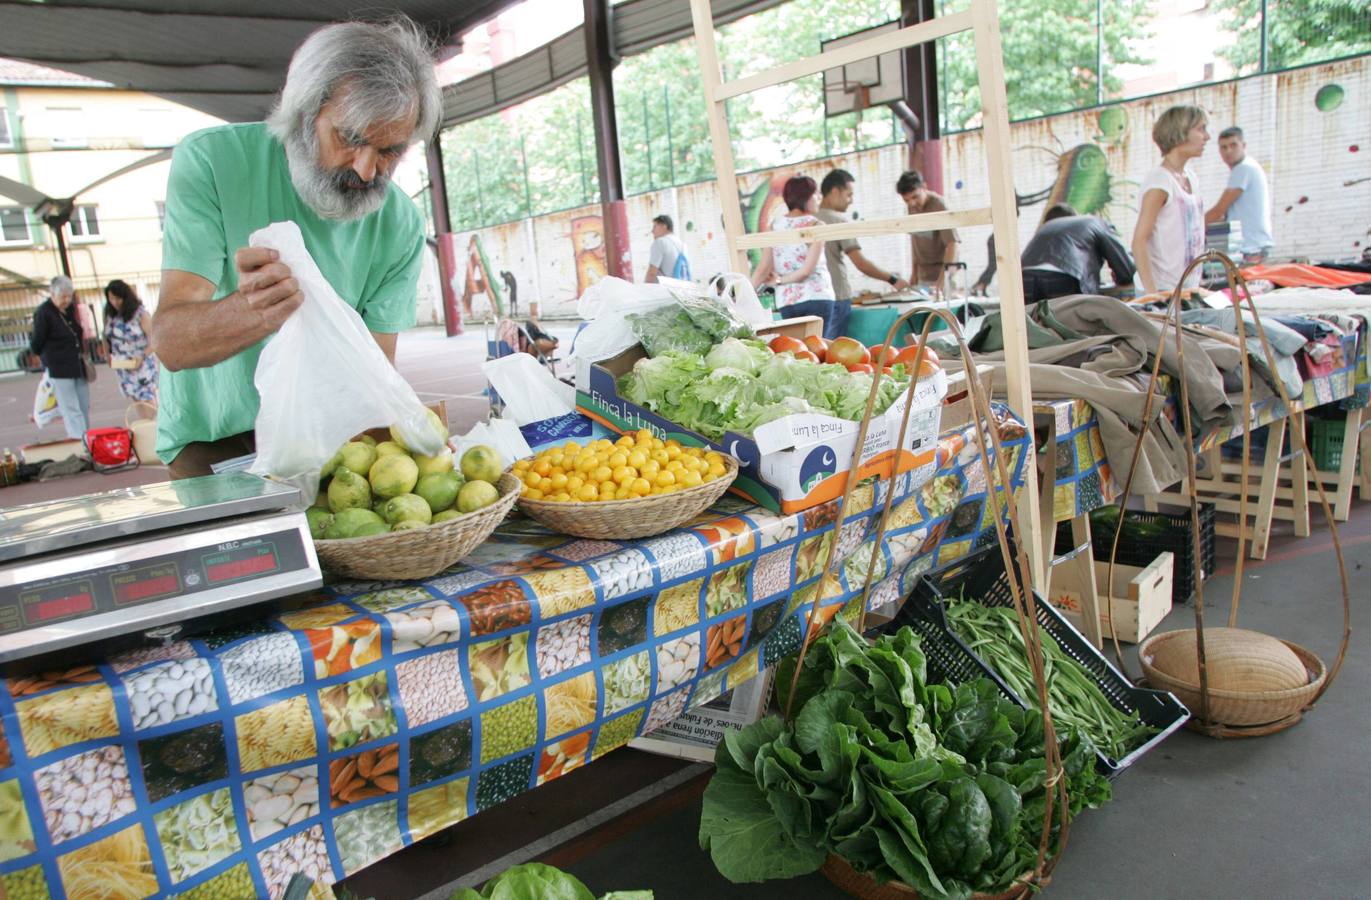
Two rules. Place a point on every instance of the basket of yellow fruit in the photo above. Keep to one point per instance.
(388, 513)
(637, 486)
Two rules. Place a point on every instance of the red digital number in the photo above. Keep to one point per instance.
(59, 607)
(152, 587)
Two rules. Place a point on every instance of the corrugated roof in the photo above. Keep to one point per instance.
(18, 72)
(227, 58)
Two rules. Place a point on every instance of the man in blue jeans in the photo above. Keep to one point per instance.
(836, 192)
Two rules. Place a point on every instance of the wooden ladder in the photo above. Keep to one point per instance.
(982, 19)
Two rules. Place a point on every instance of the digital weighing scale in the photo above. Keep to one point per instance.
(122, 563)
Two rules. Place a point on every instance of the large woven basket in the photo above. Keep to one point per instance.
(1228, 706)
(422, 552)
(636, 518)
(859, 884)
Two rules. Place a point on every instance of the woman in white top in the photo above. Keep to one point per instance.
(803, 285)
(1170, 230)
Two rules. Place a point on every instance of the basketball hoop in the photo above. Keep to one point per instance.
(865, 83)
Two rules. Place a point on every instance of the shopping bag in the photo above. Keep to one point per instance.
(737, 291)
(606, 305)
(323, 379)
(45, 410)
(111, 449)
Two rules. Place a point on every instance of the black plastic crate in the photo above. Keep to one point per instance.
(981, 576)
(1146, 536)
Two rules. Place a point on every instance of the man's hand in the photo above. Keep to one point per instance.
(900, 284)
(267, 285)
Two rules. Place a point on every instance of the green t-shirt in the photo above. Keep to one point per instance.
(226, 183)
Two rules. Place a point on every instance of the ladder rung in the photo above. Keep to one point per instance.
(933, 221)
(848, 53)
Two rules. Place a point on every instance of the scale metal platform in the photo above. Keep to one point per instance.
(124, 562)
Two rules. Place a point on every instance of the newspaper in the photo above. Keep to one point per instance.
(696, 733)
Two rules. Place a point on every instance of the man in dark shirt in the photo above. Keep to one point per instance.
(1065, 255)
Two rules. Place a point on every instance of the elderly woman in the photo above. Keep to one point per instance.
(1170, 230)
(356, 97)
(56, 340)
(803, 285)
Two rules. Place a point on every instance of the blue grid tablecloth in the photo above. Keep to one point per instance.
(322, 739)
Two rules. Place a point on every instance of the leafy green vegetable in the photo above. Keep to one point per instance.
(535, 881)
(692, 324)
(941, 789)
(741, 385)
(1076, 700)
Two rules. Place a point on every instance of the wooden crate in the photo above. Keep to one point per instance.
(1142, 596)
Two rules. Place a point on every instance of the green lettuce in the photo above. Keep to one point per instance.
(535, 881)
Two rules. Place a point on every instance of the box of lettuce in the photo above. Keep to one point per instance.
(792, 462)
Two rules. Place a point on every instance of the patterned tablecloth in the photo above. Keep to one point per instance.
(1084, 476)
(321, 740)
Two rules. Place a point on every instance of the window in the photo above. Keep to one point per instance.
(6, 136)
(14, 226)
(161, 215)
(65, 127)
(84, 226)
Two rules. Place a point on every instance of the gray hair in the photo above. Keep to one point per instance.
(386, 71)
(61, 284)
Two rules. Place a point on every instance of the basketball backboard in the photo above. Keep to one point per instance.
(866, 83)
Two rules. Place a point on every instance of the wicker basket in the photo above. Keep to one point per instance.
(859, 884)
(637, 518)
(423, 552)
(1235, 707)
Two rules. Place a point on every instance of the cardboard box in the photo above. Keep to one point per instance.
(1144, 596)
(791, 464)
(957, 403)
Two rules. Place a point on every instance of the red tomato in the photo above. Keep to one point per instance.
(907, 354)
(876, 350)
(868, 368)
(817, 345)
(846, 351)
(784, 344)
(805, 354)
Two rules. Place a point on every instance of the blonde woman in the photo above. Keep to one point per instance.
(1170, 230)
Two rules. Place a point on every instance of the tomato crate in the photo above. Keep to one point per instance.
(1147, 535)
(981, 575)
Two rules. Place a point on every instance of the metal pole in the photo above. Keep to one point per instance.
(437, 187)
(581, 156)
(647, 139)
(1265, 34)
(1099, 52)
(480, 195)
(528, 193)
(600, 59)
(670, 150)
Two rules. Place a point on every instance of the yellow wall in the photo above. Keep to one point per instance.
(115, 126)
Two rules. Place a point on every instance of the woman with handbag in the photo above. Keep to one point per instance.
(56, 341)
(127, 324)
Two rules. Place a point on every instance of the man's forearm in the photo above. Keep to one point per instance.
(193, 335)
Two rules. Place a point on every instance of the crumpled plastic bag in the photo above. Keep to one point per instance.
(323, 379)
(528, 389)
(45, 410)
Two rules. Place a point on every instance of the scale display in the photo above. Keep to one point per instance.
(183, 572)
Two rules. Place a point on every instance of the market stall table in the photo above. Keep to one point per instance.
(323, 739)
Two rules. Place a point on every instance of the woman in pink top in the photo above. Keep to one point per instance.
(800, 272)
(1170, 230)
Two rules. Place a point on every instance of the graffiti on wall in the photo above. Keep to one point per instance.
(588, 249)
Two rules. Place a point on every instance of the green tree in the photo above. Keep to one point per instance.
(1298, 31)
(1049, 57)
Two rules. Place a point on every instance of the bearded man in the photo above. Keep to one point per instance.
(356, 97)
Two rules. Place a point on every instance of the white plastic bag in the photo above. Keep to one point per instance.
(45, 410)
(528, 389)
(606, 305)
(322, 379)
(737, 292)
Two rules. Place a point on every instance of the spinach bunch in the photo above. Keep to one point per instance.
(943, 789)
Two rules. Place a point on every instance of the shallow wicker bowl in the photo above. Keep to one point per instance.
(422, 552)
(623, 519)
(859, 884)
(1229, 705)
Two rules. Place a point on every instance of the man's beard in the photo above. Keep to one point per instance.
(332, 193)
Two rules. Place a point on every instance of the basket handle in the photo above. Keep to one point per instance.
(1019, 579)
(1172, 319)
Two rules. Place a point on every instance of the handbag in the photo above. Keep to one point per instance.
(87, 367)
